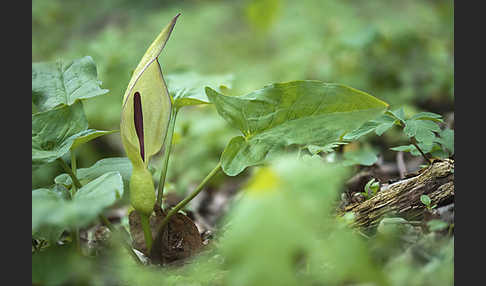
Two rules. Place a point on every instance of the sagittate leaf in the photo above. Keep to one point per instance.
(54, 132)
(50, 209)
(297, 112)
(60, 82)
(188, 88)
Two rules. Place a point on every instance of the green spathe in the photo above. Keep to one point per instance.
(304, 112)
(146, 115)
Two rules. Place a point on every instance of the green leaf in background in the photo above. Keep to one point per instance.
(397, 113)
(50, 209)
(54, 132)
(261, 14)
(446, 139)
(118, 164)
(56, 83)
(428, 116)
(422, 130)
(378, 125)
(363, 156)
(328, 148)
(188, 88)
(298, 112)
(89, 135)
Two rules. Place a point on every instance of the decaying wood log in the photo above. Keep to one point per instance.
(403, 197)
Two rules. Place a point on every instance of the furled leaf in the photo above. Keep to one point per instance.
(146, 104)
(188, 88)
(54, 132)
(56, 83)
(50, 209)
(89, 135)
(282, 114)
(118, 164)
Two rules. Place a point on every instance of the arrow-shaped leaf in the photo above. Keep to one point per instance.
(282, 114)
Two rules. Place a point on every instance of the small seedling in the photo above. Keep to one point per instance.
(427, 202)
(371, 188)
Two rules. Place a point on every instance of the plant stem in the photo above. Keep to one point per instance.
(147, 232)
(73, 168)
(68, 170)
(414, 143)
(184, 202)
(168, 147)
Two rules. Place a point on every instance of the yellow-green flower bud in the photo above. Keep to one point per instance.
(142, 191)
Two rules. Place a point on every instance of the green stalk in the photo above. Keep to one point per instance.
(165, 159)
(147, 233)
(184, 202)
(68, 170)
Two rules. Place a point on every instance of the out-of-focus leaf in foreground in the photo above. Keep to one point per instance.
(56, 83)
(281, 228)
(49, 208)
(298, 112)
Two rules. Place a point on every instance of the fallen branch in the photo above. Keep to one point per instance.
(403, 197)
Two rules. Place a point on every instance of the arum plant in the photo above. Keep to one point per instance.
(146, 112)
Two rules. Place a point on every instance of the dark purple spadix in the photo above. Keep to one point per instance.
(138, 121)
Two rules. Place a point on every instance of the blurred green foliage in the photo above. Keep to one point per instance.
(399, 51)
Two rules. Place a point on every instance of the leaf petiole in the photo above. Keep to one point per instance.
(165, 159)
(184, 202)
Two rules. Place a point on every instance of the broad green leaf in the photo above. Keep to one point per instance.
(54, 132)
(50, 209)
(282, 114)
(89, 135)
(58, 83)
(119, 164)
(147, 100)
(188, 88)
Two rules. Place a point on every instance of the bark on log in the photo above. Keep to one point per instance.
(403, 197)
